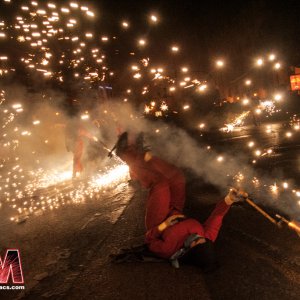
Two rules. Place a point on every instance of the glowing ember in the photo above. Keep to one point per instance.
(274, 188)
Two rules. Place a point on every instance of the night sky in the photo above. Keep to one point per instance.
(235, 30)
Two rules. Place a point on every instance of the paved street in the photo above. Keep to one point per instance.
(56, 246)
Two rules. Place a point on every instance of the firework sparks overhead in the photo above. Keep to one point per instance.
(58, 43)
(53, 42)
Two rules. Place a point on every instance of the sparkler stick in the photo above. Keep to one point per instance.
(291, 224)
(260, 210)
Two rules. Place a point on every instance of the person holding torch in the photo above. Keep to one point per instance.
(169, 233)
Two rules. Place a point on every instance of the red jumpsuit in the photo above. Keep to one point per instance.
(166, 243)
(176, 181)
(159, 204)
(79, 149)
(77, 155)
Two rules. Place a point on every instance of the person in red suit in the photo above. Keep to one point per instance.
(76, 136)
(176, 180)
(179, 238)
(166, 182)
(170, 234)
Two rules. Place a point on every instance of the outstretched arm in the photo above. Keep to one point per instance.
(213, 224)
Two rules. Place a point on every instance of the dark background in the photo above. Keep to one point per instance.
(205, 30)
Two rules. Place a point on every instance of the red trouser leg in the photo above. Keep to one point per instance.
(214, 222)
(77, 164)
(158, 205)
(177, 190)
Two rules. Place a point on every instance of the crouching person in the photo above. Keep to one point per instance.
(165, 182)
(185, 240)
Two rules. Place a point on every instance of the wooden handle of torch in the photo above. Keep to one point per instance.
(261, 211)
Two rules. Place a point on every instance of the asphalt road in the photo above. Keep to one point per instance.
(56, 246)
(65, 254)
(258, 261)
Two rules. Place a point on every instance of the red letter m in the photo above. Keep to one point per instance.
(11, 266)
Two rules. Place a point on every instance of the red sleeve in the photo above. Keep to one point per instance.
(83, 132)
(214, 222)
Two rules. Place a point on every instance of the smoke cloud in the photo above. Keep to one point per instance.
(221, 169)
(45, 146)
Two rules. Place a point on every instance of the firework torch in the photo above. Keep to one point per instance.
(260, 210)
(244, 196)
(291, 224)
(280, 219)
